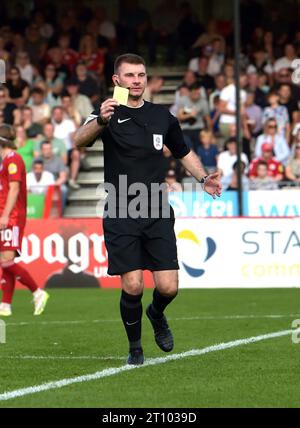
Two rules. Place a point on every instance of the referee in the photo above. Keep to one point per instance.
(133, 137)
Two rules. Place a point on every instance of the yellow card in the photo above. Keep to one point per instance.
(121, 95)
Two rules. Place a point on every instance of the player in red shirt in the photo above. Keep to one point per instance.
(13, 205)
(275, 168)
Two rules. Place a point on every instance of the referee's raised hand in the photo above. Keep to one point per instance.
(107, 109)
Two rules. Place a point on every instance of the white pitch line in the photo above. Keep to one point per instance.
(59, 357)
(150, 362)
(204, 317)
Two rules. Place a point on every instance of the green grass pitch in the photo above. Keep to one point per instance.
(86, 323)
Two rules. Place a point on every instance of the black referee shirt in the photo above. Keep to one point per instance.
(133, 143)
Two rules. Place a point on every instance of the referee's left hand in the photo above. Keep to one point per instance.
(213, 185)
(107, 109)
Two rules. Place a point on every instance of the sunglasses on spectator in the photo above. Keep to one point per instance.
(284, 75)
(272, 126)
(297, 147)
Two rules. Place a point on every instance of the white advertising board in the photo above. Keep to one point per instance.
(238, 252)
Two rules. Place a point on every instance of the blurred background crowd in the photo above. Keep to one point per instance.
(59, 63)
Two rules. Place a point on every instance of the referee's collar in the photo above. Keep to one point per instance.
(143, 103)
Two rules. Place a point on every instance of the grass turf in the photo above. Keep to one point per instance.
(263, 374)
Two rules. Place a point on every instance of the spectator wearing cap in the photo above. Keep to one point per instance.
(193, 115)
(38, 179)
(208, 36)
(81, 102)
(228, 157)
(279, 113)
(279, 145)
(263, 181)
(172, 183)
(275, 168)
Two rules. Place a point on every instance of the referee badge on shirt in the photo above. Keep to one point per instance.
(157, 141)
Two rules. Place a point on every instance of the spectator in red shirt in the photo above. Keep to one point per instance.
(69, 56)
(91, 55)
(275, 168)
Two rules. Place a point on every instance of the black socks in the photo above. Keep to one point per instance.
(159, 304)
(131, 312)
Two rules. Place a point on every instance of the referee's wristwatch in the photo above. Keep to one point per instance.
(100, 121)
(203, 181)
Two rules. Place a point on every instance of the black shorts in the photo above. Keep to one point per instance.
(142, 243)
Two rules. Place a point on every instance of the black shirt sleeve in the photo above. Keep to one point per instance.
(174, 139)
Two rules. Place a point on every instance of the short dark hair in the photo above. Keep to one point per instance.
(231, 140)
(57, 108)
(195, 86)
(262, 162)
(38, 161)
(38, 91)
(7, 136)
(242, 165)
(45, 142)
(272, 93)
(129, 58)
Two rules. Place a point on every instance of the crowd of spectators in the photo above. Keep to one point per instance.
(205, 105)
(59, 66)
